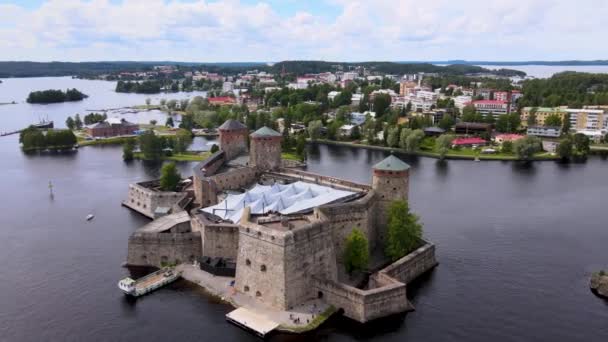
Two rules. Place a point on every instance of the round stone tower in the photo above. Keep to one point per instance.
(233, 138)
(265, 149)
(390, 181)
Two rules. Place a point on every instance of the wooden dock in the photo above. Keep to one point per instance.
(251, 321)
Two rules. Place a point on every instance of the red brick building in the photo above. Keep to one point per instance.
(112, 127)
(222, 100)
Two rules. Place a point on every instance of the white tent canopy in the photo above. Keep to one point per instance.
(285, 199)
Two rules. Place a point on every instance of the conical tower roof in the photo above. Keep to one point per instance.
(266, 132)
(391, 163)
(232, 125)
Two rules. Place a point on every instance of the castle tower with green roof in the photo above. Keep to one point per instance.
(390, 181)
(265, 149)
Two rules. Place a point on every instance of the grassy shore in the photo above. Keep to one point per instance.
(465, 153)
(185, 156)
(290, 156)
(314, 324)
(106, 141)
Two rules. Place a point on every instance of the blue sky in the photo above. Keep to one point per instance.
(273, 30)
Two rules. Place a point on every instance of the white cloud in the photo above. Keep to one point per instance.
(362, 30)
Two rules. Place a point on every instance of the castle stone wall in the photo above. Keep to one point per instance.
(152, 249)
(218, 239)
(203, 191)
(342, 218)
(413, 265)
(234, 179)
(145, 200)
(364, 305)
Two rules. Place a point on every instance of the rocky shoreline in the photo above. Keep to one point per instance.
(599, 284)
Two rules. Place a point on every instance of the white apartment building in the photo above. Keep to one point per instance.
(462, 101)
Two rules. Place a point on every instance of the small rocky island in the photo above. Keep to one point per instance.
(599, 284)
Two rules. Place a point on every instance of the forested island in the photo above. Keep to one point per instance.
(145, 87)
(55, 96)
(33, 139)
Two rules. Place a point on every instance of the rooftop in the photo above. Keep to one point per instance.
(284, 199)
(391, 163)
(266, 132)
(232, 125)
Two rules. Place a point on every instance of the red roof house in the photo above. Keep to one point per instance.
(222, 100)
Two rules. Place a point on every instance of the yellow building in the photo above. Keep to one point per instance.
(541, 114)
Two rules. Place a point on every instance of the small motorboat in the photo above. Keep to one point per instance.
(90, 217)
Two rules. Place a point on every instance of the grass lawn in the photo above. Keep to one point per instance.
(186, 156)
(290, 156)
(106, 141)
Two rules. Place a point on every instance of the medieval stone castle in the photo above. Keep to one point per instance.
(281, 230)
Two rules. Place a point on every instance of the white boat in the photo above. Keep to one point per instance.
(148, 283)
(90, 217)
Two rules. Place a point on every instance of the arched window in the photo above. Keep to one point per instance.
(248, 262)
(246, 288)
(258, 294)
(263, 268)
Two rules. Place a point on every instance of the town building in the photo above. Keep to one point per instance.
(356, 99)
(407, 88)
(491, 107)
(473, 128)
(332, 95)
(541, 114)
(501, 96)
(544, 131)
(227, 87)
(111, 127)
(222, 101)
(462, 101)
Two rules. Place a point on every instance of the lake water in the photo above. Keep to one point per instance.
(516, 246)
(101, 96)
(546, 71)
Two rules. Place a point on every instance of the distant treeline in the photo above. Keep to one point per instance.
(91, 69)
(145, 87)
(313, 67)
(573, 89)
(54, 96)
(33, 139)
(506, 63)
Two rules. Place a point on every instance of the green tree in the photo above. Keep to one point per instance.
(148, 101)
(356, 252)
(392, 140)
(163, 102)
(526, 147)
(469, 114)
(443, 145)
(564, 148)
(153, 122)
(127, 150)
(581, 144)
(181, 141)
(507, 147)
(77, 122)
(150, 145)
(301, 146)
(403, 137)
(172, 104)
(69, 122)
(381, 103)
(169, 177)
(447, 122)
(169, 122)
(314, 129)
(412, 143)
(404, 230)
(553, 120)
(214, 148)
(508, 123)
